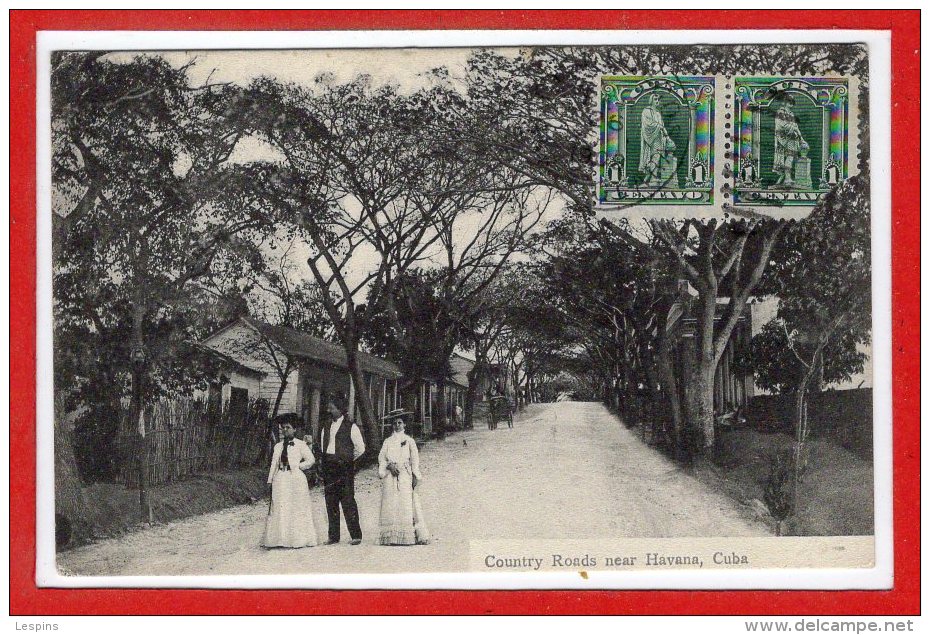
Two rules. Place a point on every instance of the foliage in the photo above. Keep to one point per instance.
(354, 171)
(426, 323)
(282, 297)
(823, 266)
(612, 295)
(821, 274)
(778, 370)
(153, 230)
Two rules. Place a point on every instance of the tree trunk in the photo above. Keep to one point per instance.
(475, 377)
(699, 407)
(137, 408)
(801, 427)
(369, 423)
(265, 453)
(699, 376)
(470, 393)
(670, 389)
(281, 388)
(71, 512)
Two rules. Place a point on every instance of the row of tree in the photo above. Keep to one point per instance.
(471, 201)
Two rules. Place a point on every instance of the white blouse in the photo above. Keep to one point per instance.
(401, 450)
(299, 456)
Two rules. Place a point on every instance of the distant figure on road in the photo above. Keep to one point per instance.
(402, 521)
(290, 521)
(341, 443)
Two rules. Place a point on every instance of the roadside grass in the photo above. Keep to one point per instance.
(836, 494)
(115, 508)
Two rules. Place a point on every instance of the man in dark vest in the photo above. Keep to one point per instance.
(340, 444)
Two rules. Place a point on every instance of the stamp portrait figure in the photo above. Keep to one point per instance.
(657, 140)
(793, 139)
(790, 145)
(656, 160)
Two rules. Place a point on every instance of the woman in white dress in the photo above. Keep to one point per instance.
(402, 521)
(290, 516)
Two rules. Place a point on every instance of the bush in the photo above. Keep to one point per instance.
(94, 438)
(779, 489)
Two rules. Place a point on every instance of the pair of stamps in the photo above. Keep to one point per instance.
(716, 141)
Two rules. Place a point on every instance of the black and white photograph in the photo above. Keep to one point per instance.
(567, 314)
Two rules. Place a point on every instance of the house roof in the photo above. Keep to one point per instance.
(306, 346)
(460, 367)
(227, 360)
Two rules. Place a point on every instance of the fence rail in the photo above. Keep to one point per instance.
(184, 437)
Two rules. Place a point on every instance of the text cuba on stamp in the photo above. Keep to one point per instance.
(656, 140)
(792, 139)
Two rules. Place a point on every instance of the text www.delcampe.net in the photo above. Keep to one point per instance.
(830, 626)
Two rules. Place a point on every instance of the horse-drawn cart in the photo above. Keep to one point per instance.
(499, 409)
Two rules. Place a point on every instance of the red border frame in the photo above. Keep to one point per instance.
(26, 598)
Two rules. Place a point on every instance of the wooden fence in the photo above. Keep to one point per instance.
(184, 437)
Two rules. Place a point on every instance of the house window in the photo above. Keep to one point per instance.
(238, 403)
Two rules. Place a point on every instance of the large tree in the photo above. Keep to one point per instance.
(476, 243)
(148, 208)
(350, 173)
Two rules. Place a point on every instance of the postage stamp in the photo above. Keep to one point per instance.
(792, 139)
(657, 140)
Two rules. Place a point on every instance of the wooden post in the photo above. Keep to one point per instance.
(315, 410)
(384, 408)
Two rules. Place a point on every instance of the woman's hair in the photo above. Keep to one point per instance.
(289, 418)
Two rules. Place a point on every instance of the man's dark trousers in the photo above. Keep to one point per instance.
(339, 489)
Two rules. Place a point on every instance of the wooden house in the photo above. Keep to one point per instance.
(264, 356)
(425, 396)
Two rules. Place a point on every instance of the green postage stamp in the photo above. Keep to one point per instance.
(792, 139)
(657, 140)
(716, 143)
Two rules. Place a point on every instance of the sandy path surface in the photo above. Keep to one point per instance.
(566, 470)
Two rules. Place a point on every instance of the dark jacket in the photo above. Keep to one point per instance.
(345, 449)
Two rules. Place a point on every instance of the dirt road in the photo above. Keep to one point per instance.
(566, 470)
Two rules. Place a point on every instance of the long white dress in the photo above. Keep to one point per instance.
(290, 523)
(402, 521)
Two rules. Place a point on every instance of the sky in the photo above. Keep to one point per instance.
(404, 68)
(401, 67)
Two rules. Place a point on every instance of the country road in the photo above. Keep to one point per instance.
(566, 470)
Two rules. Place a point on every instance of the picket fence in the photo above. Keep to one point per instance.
(184, 437)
